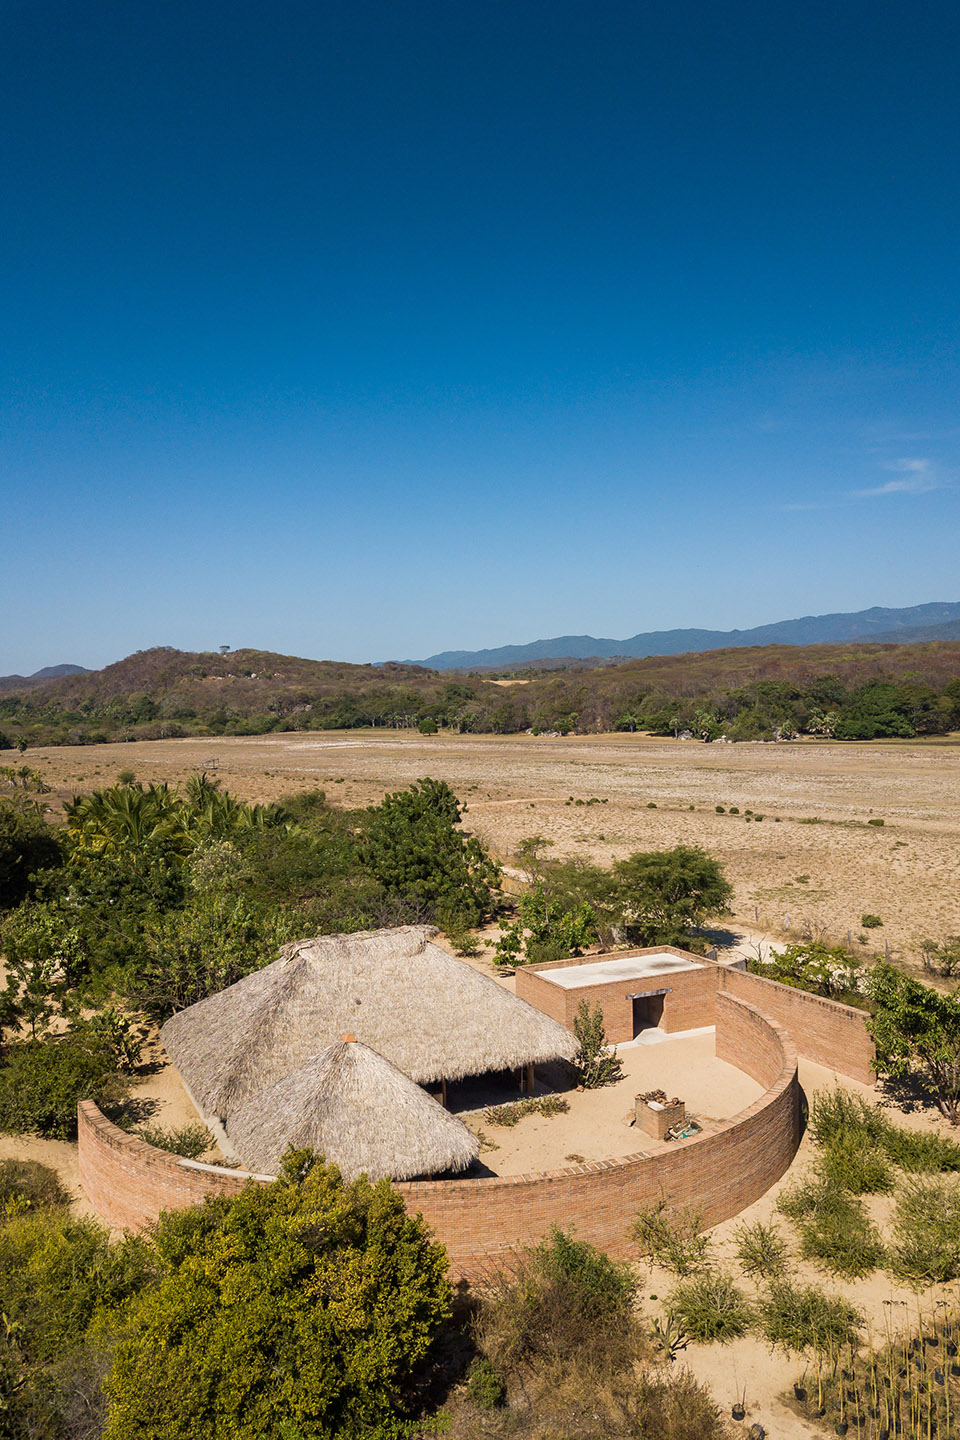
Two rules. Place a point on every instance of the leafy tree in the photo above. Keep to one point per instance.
(822, 969)
(545, 929)
(413, 848)
(192, 953)
(299, 1308)
(917, 1031)
(596, 1064)
(664, 894)
(27, 845)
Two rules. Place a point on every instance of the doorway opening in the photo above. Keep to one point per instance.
(647, 1011)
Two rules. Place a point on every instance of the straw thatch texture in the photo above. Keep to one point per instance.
(356, 1109)
(429, 1014)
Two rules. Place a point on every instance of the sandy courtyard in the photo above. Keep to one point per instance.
(784, 869)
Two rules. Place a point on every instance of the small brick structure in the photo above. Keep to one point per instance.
(655, 1118)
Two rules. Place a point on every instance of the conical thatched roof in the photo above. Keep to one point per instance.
(429, 1014)
(356, 1109)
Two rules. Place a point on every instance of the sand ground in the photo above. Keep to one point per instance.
(786, 871)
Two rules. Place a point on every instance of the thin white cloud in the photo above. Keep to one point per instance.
(916, 478)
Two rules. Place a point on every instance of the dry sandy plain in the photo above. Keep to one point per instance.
(784, 869)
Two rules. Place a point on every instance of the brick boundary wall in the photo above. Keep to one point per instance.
(721, 1172)
(824, 1031)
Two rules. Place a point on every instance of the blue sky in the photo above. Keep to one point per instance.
(366, 330)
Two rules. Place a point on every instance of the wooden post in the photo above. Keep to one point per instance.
(527, 1086)
(443, 1091)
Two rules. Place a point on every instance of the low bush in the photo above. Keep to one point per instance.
(839, 1118)
(761, 1250)
(43, 1080)
(28, 1185)
(484, 1386)
(709, 1306)
(925, 1246)
(596, 1064)
(190, 1141)
(870, 922)
(672, 1239)
(834, 1228)
(801, 1317)
(848, 1164)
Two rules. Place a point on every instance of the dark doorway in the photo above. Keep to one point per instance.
(647, 1012)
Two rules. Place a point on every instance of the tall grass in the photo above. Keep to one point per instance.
(761, 1250)
(801, 1317)
(834, 1228)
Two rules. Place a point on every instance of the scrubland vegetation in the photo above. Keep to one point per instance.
(858, 692)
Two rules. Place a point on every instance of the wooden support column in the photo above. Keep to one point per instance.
(443, 1092)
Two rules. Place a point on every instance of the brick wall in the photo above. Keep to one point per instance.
(688, 1005)
(129, 1183)
(828, 1033)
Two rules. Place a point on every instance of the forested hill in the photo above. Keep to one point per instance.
(857, 691)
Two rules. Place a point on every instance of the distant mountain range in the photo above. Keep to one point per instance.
(939, 620)
(49, 672)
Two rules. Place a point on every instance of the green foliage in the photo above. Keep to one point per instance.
(834, 1228)
(191, 1141)
(512, 1114)
(847, 1164)
(41, 1082)
(801, 1317)
(941, 956)
(841, 1119)
(413, 848)
(672, 1239)
(664, 894)
(917, 1031)
(831, 971)
(28, 1185)
(27, 846)
(546, 928)
(192, 953)
(870, 922)
(427, 726)
(484, 1386)
(59, 1274)
(710, 1306)
(306, 1303)
(563, 1298)
(761, 1250)
(925, 1248)
(596, 1064)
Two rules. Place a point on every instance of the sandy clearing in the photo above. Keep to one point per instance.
(783, 870)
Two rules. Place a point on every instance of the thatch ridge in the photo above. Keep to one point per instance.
(353, 1107)
(427, 1013)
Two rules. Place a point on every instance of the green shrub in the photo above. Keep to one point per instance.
(190, 1141)
(839, 1117)
(922, 1152)
(925, 1246)
(761, 1250)
(28, 1185)
(672, 1239)
(596, 1064)
(734, 809)
(871, 922)
(484, 1386)
(850, 1165)
(878, 823)
(306, 1304)
(709, 1306)
(721, 810)
(802, 1317)
(43, 1080)
(834, 1228)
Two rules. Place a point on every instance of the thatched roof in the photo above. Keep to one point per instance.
(429, 1014)
(356, 1109)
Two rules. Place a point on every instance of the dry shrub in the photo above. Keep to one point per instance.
(560, 1332)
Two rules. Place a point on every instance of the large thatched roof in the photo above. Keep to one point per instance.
(356, 1109)
(429, 1014)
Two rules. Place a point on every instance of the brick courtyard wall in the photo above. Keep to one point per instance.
(128, 1182)
(828, 1033)
(688, 1005)
(720, 1172)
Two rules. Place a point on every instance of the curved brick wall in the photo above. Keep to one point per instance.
(129, 1182)
(827, 1032)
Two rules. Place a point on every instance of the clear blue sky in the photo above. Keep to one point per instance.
(364, 330)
